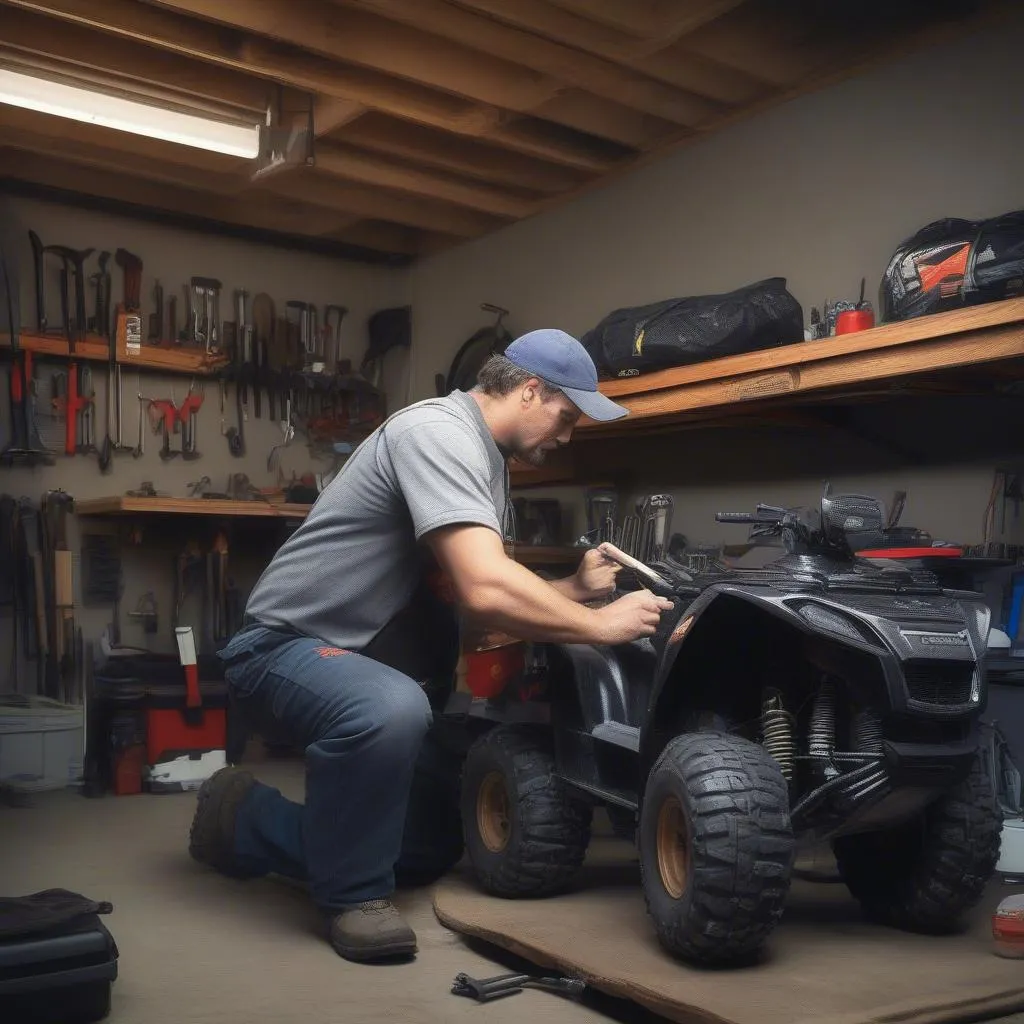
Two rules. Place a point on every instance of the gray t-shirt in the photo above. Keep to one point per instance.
(354, 561)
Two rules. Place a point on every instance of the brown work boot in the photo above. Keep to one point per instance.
(373, 930)
(212, 835)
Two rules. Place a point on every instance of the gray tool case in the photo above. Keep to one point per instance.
(61, 975)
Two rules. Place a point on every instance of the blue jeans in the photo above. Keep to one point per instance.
(363, 727)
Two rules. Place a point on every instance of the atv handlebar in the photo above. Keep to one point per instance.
(763, 514)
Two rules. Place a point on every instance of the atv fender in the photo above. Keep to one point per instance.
(717, 620)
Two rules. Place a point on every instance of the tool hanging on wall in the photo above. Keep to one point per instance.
(263, 329)
(204, 313)
(25, 447)
(156, 318)
(333, 317)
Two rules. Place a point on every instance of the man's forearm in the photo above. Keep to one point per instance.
(569, 587)
(525, 606)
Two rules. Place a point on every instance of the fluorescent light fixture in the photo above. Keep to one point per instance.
(80, 104)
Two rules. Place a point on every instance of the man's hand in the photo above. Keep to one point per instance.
(633, 616)
(595, 577)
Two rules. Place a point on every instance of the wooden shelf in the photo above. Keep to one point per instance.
(118, 505)
(95, 349)
(126, 506)
(988, 337)
(538, 554)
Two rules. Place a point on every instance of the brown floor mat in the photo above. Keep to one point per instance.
(824, 965)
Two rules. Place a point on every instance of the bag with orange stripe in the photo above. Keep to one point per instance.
(952, 263)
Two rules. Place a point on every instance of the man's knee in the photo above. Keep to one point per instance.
(396, 711)
(404, 713)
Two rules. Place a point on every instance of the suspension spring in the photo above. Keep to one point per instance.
(866, 732)
(777, 732)
(821, 734)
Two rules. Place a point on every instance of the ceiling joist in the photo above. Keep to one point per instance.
(434, 121)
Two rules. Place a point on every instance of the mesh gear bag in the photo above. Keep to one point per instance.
(952, 263)
(641, 339)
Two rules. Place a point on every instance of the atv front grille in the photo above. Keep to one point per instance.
(905, 607)
(940, 685)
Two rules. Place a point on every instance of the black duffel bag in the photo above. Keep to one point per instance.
(641, 339)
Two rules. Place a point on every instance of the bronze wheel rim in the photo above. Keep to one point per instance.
(673, 846)
(493, 812)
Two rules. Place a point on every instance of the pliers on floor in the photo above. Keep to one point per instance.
(485, 989)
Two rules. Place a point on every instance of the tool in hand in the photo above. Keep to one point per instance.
(486, 989)
(654, 580)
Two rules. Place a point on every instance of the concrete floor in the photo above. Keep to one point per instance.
(198, 947)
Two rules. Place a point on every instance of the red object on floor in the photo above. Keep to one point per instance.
(911, 553)
(183, 729)
(128, 766)
(489, 672)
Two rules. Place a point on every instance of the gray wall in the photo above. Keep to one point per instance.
(820, 190)
(174, 256)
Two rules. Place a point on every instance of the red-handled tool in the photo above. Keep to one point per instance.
(187, 653)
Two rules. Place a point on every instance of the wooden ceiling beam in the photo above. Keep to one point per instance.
(67, 173)
(430, 148)
(333, 112)
(651, 55)
(563, 64)
(354, 165)
(650, 20)
(379, 234)
(281, 63)
(44, 40)
(376, 203)
(607, 119)
(372, 42)
(120, 150)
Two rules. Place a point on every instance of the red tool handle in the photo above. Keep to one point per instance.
(17, 393)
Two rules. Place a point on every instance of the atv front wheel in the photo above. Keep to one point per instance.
(925, 876)
(716, 847)
(526, 833)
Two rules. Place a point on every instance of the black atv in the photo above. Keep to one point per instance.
(822, 698)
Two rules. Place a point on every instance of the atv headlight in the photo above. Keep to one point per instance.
(830, 621)
(983, 617)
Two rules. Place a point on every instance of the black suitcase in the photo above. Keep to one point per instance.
(60, 975)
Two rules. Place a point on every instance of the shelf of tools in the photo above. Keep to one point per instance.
(293, 360)
(286, 367)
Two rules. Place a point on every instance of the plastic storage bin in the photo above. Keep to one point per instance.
(42, 740)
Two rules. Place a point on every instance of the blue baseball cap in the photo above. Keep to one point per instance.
(560, 360)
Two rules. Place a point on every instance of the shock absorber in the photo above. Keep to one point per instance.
(777, 732)
(821, 734)
(866, 732)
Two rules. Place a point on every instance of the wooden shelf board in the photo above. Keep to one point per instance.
(122, 505)
(94, 349)
(540, 554)
(119, 505)
(968, 338)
